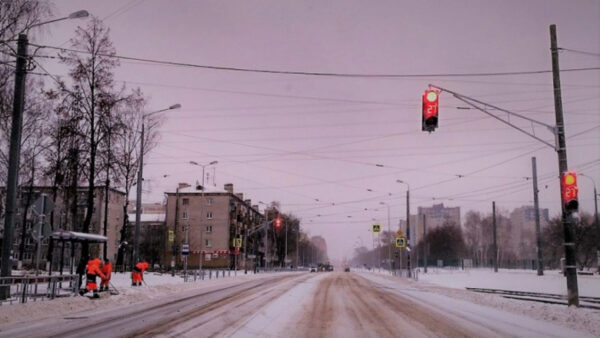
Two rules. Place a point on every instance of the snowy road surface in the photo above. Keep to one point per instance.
(334, 304)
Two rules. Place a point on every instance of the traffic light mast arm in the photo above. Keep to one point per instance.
(259, 228)
(473, 103)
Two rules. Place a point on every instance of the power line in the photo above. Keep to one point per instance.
(580, 51)
(324, 74)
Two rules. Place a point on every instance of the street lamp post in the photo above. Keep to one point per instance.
(138, 201)
(12, 179)
(407, 224)
(202, 202)
(596, 223)
(390, 234)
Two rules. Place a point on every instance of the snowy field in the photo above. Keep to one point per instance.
(517, 280)
(451, 283)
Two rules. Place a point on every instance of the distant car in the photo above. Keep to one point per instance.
(313, 269)
(347, 269)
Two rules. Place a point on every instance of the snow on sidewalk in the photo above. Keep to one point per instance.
(157, 286)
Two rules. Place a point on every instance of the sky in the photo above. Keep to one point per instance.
(331, 149)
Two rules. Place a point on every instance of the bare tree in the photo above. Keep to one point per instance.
(126, 151)
(91, 98)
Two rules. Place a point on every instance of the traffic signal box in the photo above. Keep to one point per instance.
(430, 110)
(278, 222)
(569, 191)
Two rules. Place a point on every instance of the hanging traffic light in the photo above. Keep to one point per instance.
(430, 110)
(278, 222)
(569, 191)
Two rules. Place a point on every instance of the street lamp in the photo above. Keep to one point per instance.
(390, 234)
(12, 179)
(138, 201)
(596, 223)
(201, 258)
(407, 222)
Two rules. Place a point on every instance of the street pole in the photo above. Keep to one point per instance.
(286, 243)
(538, 233)
(424, 244)
(408, 232)
(266, 239)
(390, 242)
(174, 247)
(567, 217)
(495, 244)
(187, 242)
(596, 223)
(12, 180)
(106, 189)
(138, 201)
(297, 242)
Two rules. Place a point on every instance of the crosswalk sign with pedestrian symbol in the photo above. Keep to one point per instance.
(376, 228)
(400, 242)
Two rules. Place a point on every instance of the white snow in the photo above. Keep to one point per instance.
(157, 285)
(444, 287)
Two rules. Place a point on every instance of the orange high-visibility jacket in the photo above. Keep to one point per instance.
(107, 270)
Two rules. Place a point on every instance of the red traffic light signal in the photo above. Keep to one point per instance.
(430, 110)
(570, 191)
(278, 222)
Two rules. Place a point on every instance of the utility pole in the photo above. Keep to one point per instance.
(106, 190)
(408, 232)
(138, 201)
(495, 245)
(286, 246)
(425, 243)
(13, 162)
(536, 206)
(298, 236)
(567, 215)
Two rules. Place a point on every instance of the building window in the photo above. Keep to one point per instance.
(185, 215)
(186, 201)
(209, 215)
(209, 228)
(209, 201)
(207, 243)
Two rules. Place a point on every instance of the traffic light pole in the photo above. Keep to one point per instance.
(567, 215)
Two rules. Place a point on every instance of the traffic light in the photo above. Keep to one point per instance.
(430, 110)
(278, 222)
(569, 190)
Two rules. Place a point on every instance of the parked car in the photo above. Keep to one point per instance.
(313, 269)
(347, 269)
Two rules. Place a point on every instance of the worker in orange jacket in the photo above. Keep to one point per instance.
(92, 271)
(137, 275)
(107, 271)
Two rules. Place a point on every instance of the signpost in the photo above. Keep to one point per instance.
(400, 242)
(375, 228)
(41, 207)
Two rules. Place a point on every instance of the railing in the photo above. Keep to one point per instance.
(29, 287)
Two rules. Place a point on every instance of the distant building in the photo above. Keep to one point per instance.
(435, 216)
(208, 221)
(523, 239)
(64, 218)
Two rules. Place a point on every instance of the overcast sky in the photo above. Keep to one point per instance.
(313, 143)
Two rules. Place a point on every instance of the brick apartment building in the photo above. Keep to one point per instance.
(210, 219)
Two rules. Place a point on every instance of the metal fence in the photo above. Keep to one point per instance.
(33, 288)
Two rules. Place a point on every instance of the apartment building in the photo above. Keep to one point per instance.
(522, 234)
(68, 214)
(435, 216)
(208, 220)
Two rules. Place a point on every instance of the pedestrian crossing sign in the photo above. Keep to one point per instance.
(376, 228)
(400, 242)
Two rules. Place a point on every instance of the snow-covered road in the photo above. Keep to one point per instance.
(334, 304)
